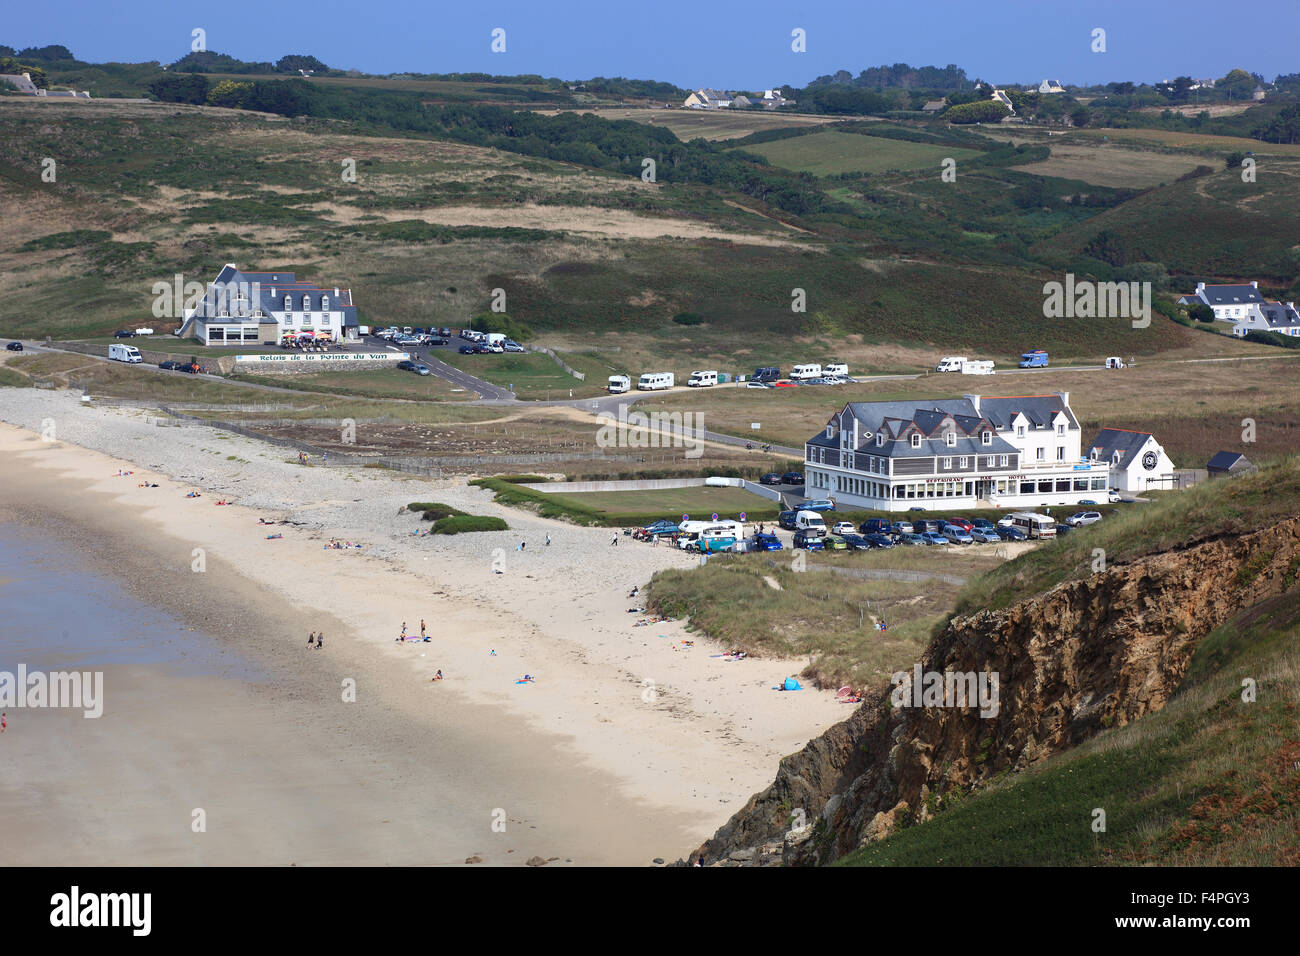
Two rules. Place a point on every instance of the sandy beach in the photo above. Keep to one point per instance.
(629, 744)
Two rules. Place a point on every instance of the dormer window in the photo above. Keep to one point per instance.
(1115, 459)
(306, 303)
(1060, 428)
(288, 303)
(880, 440)
(830, 431)
(986, 437)
(1020, 431)
(324, 303)
(916, 440)
(1093, 454)
(950, 439)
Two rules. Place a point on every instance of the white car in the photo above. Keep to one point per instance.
(757, 385)
(844, 527)
(1113, 496)
(1082, 518)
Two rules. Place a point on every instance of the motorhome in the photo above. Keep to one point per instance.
(1035, 359)
(977, 368)
(619, 383)
(125, 353)
(805, 373)
(652, 381)
(1034, 525)
(951, 363)
(709, 536)
(836, 371)
(809, 521)
(700, 379)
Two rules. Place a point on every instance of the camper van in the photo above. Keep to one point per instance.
(702, 379)
(618, 384)
(651, 381)
(1035, 359)
(805, 373)
(951, 363)
(1034, 525)
(836, 371)
(977, 368)
(809, 521)
(124, 353)
(709, 537)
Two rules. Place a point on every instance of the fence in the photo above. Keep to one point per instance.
(580, 376)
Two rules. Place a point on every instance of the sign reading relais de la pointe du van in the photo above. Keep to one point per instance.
(294, 358)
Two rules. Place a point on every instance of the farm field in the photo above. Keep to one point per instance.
(831, 152)
(1117, 166)
(714, 124)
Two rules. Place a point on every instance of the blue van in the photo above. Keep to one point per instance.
(1034, 359)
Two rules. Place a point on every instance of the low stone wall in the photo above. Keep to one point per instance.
(290, 363)
(644, 484)
(221, 363)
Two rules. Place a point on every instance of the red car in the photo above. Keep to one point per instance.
(961, 523)
(786, 384)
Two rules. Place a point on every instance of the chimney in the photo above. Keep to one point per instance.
(336, 292)
(1065, 398)
(974, 400)
(273, 290)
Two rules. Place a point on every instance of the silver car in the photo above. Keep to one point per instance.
(956, 534)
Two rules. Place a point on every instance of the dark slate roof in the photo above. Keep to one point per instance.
(897, 421)
(1039, 409)
(1279, 316)
(1111, 440)
(1224, 460)
(272, 287)
(1232, 294)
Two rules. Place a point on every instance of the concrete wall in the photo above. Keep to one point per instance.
(647, 484)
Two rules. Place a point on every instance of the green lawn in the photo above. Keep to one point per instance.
(831, 152)
(698, 502)
(531, 374)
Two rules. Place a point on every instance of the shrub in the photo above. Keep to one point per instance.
(457, 524)
(433, 510)
(523, 479)
(983, 111)
(688, 318)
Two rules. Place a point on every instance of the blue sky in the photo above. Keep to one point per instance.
(745, 45)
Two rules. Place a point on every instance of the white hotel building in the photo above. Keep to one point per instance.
(1013, 452)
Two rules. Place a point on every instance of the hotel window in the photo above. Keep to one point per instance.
(830, 431)
(288, 303)
(1060, 453)
(1060, 429)
(986, 438)
(1042, 454)
(947, 463)
(306, 303)
(950, 439)
(916, 440)
(1002, 461)
(961, 462)
(324, 303)
(880, 440)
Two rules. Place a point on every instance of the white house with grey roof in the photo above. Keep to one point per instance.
(1020, 451)
(706, 99)
(1137, 461)
(1246, 308)
(239, 308)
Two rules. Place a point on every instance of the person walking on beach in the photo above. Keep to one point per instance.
(402, 637)
(311, 639)
(4, 718)
(320, 640)
(548, 540)
(614, 543)
(422, 637)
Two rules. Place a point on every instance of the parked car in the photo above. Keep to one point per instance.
(957, 534)
(808, 542)
(843, 527)
(758, 385)
(658, 529)
(911, 539)
(771, 478)
(984, 535)
(984, 523)
(901, 527)
(767, 542)
(1006, 521)
(874, 526)
(467, 350)
(483, 349)
(1088, 501)
(1083, 517)
(1113, 497)
(513, 347)
(962, 523)
(421, 369)
(15, 346)
(406, 366)
(833, 542)
(179, 367)
(877, 540)
(818, 504)
(916, 508)
(792, 478)
(1011, 533)
(1063, 529)
(785, 384)
(856, 542)
(786, 519)
(928, 525)
(933, 537)
(123, 334)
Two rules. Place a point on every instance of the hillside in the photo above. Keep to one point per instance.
(1143, 661)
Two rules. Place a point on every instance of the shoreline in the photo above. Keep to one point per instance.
(662, 773)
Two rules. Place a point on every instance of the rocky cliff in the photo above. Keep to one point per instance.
(1091, 653)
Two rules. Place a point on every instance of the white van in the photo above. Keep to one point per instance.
(124, 353)
(835, 371)
(496, 338)
(144, 331)
(618, 384)
(703, 379)
(1114, 362)
(809, 521)
(1034, 525)
(951, 363)
(803, 373)
(652, 381)
(691, 533)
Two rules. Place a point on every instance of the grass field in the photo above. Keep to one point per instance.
(714, 124)
(376, 383)
(1118, 166)
(530, 374)
(698, 502)
(831, 152)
